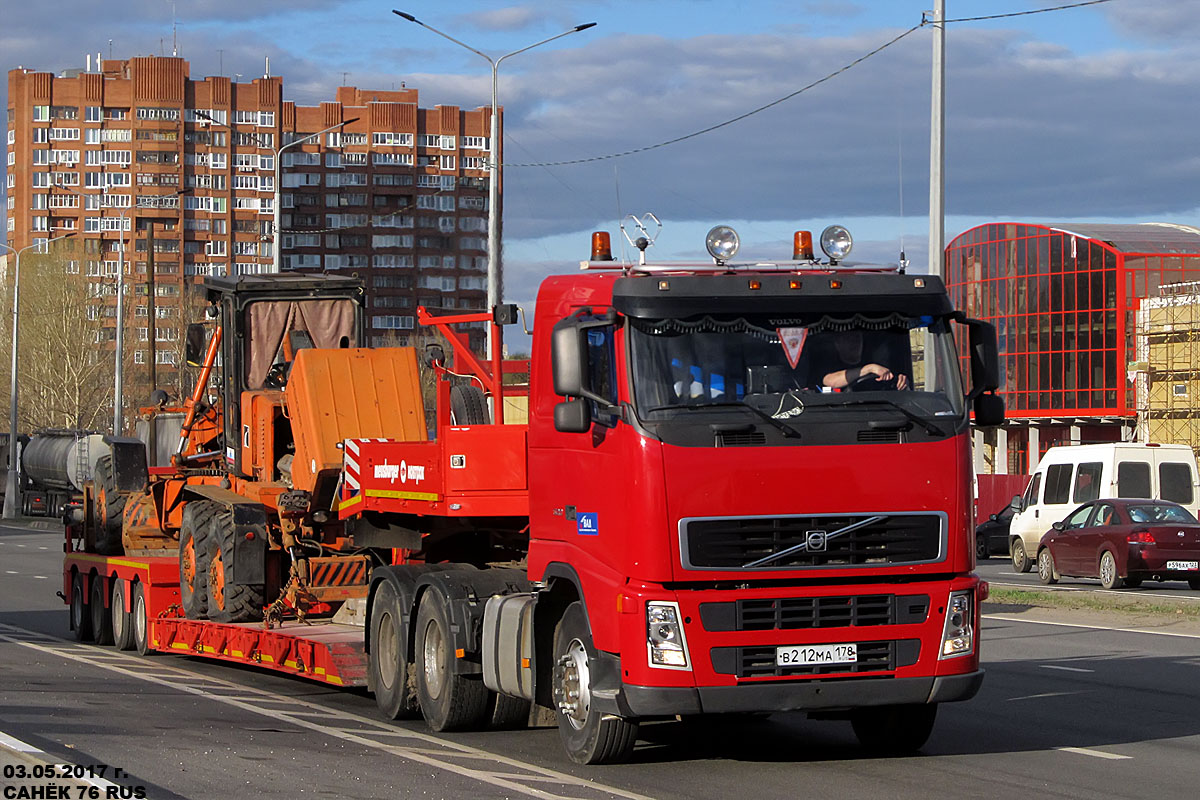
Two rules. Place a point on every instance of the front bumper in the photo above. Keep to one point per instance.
(808, 695)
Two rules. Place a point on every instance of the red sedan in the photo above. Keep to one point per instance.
(1123, 542)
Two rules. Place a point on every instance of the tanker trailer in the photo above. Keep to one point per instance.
(54, 466)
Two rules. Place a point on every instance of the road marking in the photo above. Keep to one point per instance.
(502, 771)
(1145, 594)
(41, 577)
(1043, 694)
(10, 572)
(1085, 751)
(1006, 618)
(1065, 669)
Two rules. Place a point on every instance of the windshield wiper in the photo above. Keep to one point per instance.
(929, 427)
(784, 428)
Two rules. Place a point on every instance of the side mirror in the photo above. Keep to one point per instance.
(989, 410)
(985, 357)
(1059, 526)
(573, 416)
(1018, 503)
(994, 518)
(194, 342)
(568, 359)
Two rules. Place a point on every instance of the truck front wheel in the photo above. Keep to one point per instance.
(391, 675)
(589, 736)
(894, 730)
(449, 701)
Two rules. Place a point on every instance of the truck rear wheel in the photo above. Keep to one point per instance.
(81, 617)
(894, 730)
(589, 736)
(193, 557)
(391, 674)
(139, 622)
(101, 619)
(449, 701)
(122, 629)
(507, 713)
(229, 602)
(109, 508)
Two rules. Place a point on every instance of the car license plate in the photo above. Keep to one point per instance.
(809, 654)
(1183, 565)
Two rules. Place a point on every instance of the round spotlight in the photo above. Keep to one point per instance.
(722, 243)
(836, 242)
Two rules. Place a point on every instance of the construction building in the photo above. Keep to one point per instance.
(183, 174)
(1065, 301)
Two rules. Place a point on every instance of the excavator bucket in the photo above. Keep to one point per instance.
(357, 393)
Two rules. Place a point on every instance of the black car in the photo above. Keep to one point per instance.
(991, 537)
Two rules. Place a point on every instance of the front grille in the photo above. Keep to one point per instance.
(759, 662)
(870, 540)
(799, 613)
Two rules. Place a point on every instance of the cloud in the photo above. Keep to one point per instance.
(1155, 20)
(513, 18)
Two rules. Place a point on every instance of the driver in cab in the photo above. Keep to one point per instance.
(850, 362)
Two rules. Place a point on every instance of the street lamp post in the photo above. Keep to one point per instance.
(276, 242)
(12, 493)
(493, 282)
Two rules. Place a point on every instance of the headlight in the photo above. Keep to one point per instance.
(665, 642)
(958, 635)
(722, 243)
(836, 242)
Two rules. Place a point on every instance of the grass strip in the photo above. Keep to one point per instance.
(1006, 599)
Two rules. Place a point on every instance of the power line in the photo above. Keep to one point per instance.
(924, 21)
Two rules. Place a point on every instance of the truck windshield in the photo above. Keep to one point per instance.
(906, 366)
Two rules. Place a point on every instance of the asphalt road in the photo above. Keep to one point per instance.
(1064, 712)
(998, 571)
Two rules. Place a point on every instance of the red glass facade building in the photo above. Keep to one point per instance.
(1063, 299)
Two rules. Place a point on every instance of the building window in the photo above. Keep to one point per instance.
(391, 322)
(475, 143)
(391, 139)
(145, 112)
(41, 113)
(93, 114)
(64, 134)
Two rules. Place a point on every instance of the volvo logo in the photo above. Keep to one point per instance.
(814, 541)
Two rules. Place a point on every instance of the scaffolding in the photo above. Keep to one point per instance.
(1167, 372)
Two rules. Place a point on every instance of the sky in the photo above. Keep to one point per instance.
(1080, 114)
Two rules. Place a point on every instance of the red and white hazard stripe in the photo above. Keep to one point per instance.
(350, 452)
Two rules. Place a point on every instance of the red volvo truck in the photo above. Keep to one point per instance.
(727, 487)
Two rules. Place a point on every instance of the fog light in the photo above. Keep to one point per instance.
(722, 243)
(958, 634)
(836, 242)
(666, 645)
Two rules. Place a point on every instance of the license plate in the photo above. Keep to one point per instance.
(804, 655)
(1183, 565)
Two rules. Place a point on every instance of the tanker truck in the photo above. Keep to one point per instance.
(54, 465)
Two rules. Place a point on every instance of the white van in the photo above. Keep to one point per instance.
(1069, 475)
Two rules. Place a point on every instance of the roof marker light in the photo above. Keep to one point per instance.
(918, 283)
(794, 284)
(664, 286)
(755, 284)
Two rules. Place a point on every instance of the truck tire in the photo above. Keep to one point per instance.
(101, 619)
(81, 616)
(193, 557)
(390, 673)
(507, 713)
(122, 628)
(894, 730)
(109, 508)
(139, 621)
(229, 602)
(449, 701)
(468, 405)
(589, 736)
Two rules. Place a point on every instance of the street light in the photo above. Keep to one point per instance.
(493, 283)
(12, 494)
(276, 257)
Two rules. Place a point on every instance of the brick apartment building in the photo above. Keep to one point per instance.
(397, 195)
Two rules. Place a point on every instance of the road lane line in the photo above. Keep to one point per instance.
(38, 754)
(1145, 593)
(1065, 669)
(1043, 694)
(498, 776)
(1006, 618)
(1085, 751)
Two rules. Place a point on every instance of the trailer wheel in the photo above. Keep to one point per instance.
(894, 730)
(588, 736)
(81, 617)
(229, 602)
(391, 674)
(507, 713)
(139, 622)
(109, 508)
(193, 557)
(449, 701)
(468, 406)
(122, 629)
(101, 620)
